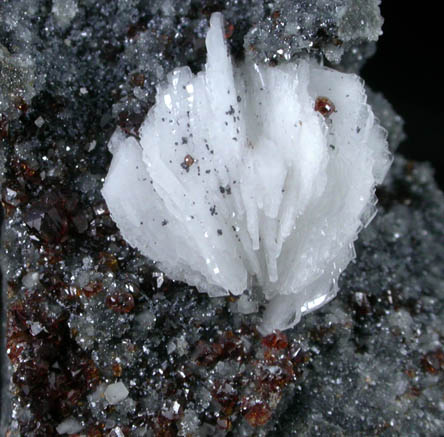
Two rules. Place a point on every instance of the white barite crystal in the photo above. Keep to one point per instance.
(69, 426)
(246, 306)
(30, 280)
(116, 393)
(238, 182)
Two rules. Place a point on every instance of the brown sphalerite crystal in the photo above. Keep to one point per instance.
(324, 106)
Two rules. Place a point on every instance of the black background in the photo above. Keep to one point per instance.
(407, 70)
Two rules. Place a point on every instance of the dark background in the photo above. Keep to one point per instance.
(407, 70)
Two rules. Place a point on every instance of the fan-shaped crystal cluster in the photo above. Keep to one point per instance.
(251, 177)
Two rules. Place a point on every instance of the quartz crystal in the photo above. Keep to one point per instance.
(251, 177)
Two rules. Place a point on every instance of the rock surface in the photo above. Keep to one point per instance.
(84, 311)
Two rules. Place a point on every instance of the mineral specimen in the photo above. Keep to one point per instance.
(251, 177)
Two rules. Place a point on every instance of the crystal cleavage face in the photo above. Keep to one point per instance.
(251, 177)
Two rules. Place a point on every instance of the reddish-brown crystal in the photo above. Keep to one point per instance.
(120, 302)
(49, 364)
(52, 215)
(276, 340)
(4, 126)
(188, 161)
(228, 345)
(258, 415)
(21, 105)
(94, 431)
(13, 195)
(108, 262)
(226, 397)
(276, 14)
(92, 288)
(324, 106)
(229, 30)
(432, 362)
(164, 427)
(361, 304)
(117, 370)
(138, 79)
(224, 423)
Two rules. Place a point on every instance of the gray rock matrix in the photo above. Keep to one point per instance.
(99, 341)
